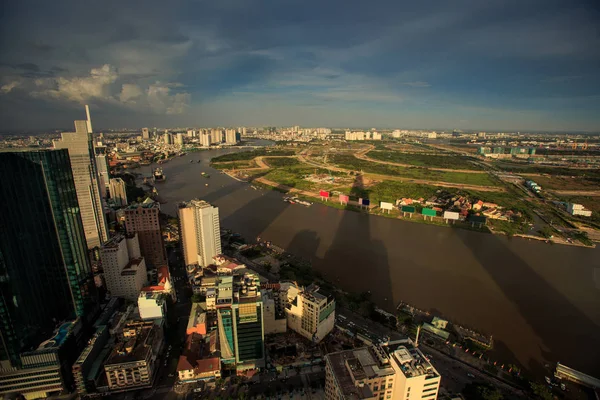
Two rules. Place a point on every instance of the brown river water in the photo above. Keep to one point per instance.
(540, 302)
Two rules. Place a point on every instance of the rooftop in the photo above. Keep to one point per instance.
(411, 360)
(133, 349)
(131, 267)
(148, 203)
(350, 366)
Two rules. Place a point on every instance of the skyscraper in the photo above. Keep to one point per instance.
(45, 273)
(144, 219)
(85, 173)
(200, 232)
(118, 191)
(145, 134)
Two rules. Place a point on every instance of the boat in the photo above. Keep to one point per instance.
(198, 161)
(191, 161)
(206, 184)
(159, 176)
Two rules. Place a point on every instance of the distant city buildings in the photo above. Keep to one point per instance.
(118, 191)
(85, 173)
(45, 273)
(200, 232)
(205, 139)
(179, 139)
(578, 209)
(124, 267)
(145, 134)
(144, 219)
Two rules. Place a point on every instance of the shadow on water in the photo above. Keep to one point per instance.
(359, 251)
(562, 331)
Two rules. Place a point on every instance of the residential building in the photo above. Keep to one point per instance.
(200, 232)
(132, 362)
(85, 174)
(216, 136)
(118, 192)
(124, 267)
(578, 209)
(45, 272)
(145, 134)
(310, 313)
(230, 136)
(199, 359)
(144, 219)
(152, 305)
(205, 139)
(179, 139)
(168, 138)
(163, 285)
(393, 371)
(274, 320)
(103, 171)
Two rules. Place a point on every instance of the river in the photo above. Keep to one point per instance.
(540, 302)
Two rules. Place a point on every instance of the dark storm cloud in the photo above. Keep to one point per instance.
(396, 61)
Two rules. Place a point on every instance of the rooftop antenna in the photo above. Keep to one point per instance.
(89, 120)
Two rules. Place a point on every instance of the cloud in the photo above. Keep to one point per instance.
(80, 89)
(130, 93)
(160, 98)
(9, 87)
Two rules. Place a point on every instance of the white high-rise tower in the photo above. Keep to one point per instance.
(200, 232)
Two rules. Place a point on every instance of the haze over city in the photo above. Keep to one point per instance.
(493, 65)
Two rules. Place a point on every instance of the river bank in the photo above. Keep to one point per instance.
(540, 302)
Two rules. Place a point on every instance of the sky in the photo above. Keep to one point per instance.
(488, 65)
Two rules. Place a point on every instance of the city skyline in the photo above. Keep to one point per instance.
(492, 66)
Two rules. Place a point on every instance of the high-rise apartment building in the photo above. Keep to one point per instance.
(118, 192)
(144, 219)
(240, 322)
(230, 136)
(145, 134)
(393, 371)
(216, 136)
(200, 232)
(179, 139)
(168, 138)
(85, 173)
(124, 267)
(205, 139)
(103, 172)
(45, 273)
(310, 313)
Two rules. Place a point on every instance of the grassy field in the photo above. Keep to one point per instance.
(293, 176)
(249, 155)
(567, 182)
(424, 160)
(353, 163)
(281, 162)
(540, 169)
(234, 165)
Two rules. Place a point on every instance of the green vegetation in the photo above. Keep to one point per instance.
(281, 162)
(567, 182)
(249, 155)
(425, 160)
(234, 165)
(540, 391)
(353, 163)
(294, 176)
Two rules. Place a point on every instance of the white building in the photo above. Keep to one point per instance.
(354, 135)
(376, 136)
(118, 192)
(168, 138)
(216, 136)
(230, 136)
(200, 232)
(205, 139)
(152, 305)
(395, 371)
(310, 313)
(85, 175)
(145, 134)
(191, 133)
(124, 267)
(179, 139)
(578, 209)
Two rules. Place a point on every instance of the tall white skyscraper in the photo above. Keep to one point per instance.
(200, 232)
(230, 136)
(85, 174)
(124, 267)
(205, 139)
(145, 134)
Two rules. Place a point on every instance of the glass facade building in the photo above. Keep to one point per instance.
(45, 273)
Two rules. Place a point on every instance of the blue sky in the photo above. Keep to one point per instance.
(495, 65)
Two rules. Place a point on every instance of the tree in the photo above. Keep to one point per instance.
(481, 391)
(540, 391)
